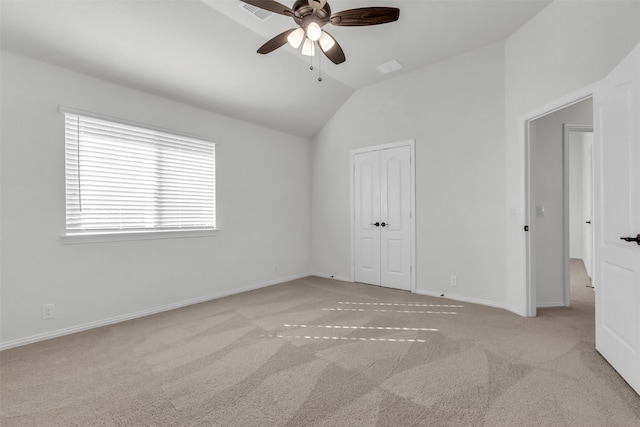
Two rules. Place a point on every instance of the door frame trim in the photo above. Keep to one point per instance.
(525, 120)
(412, 192)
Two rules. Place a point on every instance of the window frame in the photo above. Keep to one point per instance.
(90, 236)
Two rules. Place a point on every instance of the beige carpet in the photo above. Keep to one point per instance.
(316, 352)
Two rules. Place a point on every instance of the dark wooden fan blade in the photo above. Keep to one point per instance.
(365, 16)
(271, 6)
(335, 54)
(276, 42)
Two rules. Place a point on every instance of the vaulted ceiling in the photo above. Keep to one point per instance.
(203, 52)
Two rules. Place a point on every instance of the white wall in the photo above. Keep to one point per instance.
(576, 195)
(566, 47)
(469, 173)
(465, 113)
(263, 213)
(455, 112)
(547, 152)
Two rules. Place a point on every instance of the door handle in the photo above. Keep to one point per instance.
(384, 224)
(377, 224)
(588, 222)
(632, 239)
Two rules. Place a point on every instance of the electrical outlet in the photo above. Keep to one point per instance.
(48, 311)
(453, 280)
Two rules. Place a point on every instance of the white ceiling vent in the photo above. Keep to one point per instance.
(261, 14)
(389, 67)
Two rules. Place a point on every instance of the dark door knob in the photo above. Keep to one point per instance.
(632, 239)
(377, 224)
(384, 224)
(588, 222)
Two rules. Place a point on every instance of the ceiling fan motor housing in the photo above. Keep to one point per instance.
(305, 9)
(317, 4)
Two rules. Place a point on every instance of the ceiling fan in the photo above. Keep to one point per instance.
(311, 16)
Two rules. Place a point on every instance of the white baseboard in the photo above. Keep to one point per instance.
(516, 310)
(332, 277)
(460, 298)
(550, 304)
(122, 318)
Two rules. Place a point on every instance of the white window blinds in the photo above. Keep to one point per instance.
(122, 178)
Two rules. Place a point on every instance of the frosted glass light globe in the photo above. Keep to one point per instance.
(313, 31)
(295, 38)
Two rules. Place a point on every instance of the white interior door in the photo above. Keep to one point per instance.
(617, 215)
(382, 217)
(395, 230)
(367, 217)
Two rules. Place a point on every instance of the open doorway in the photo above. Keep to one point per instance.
(549, 205)
(578, 206)
(616, 106)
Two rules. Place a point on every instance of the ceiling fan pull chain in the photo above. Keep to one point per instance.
(320, 68)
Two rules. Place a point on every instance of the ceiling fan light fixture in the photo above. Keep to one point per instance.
(326, 41)
(296, 37)
(311, 16)
(308, 48)
(313, 31)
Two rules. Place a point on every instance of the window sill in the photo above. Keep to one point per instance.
(71, 239)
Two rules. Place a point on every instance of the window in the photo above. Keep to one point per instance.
(122, 178)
